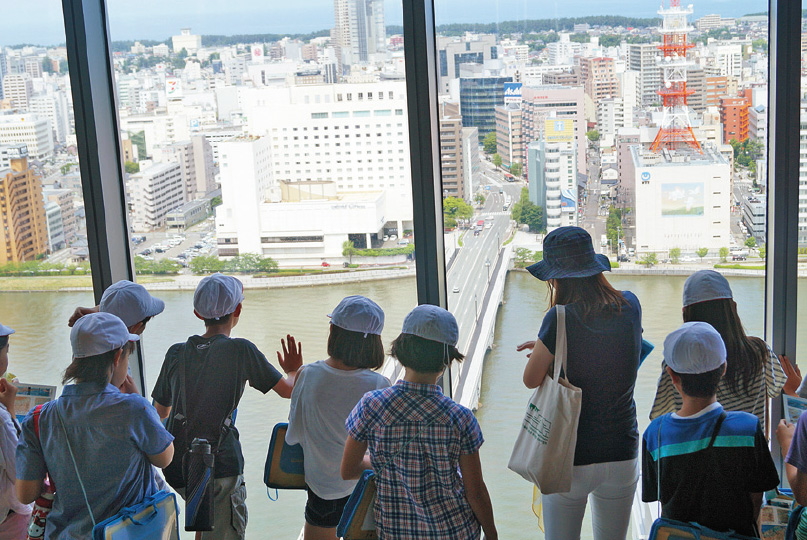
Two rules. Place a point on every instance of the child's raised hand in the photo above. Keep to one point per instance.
(8, 394)
(292, 357)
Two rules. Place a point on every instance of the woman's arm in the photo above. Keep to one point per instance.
(354, 460)
(538, 365)
(477, 493)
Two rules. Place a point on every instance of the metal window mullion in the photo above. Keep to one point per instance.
(784, 96)
(92, 82)
(424, 143)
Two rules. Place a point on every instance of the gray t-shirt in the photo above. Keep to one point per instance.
(322, 399)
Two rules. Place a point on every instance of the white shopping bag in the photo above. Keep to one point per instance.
(544, 449)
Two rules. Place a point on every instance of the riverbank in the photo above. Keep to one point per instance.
(189, 283)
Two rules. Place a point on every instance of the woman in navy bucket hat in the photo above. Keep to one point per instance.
(604, 335)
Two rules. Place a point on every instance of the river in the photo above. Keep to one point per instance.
(40, 350)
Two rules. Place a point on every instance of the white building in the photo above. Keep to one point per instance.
(728, 57)
(641, 58)
(552, 166)
(564, 50)
(758, 123)
(355, 135)
(154, 192)
(53, 216)
(683, 200)
(54, 107)
(18, 87)
(185, 40)
(471, 164)
(195, 157)
(161, 50)
(613, 114)
(755, 213)
(29, 129)
(157, 128)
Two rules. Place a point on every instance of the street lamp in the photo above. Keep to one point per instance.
(487, 265)
(476, 307)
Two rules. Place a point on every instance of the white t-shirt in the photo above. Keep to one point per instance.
(9, 434)
(322, 399)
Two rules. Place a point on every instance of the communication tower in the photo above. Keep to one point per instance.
(676, 127)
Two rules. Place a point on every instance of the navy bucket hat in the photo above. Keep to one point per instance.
(569, 253)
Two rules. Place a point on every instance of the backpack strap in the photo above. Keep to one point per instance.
(36, 414)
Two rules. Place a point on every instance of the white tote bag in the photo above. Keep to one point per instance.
(544, 449)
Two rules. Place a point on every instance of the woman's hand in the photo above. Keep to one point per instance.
(292, 358)
(527, 345)
(793, 376)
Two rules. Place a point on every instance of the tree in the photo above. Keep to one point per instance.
(701, 252)
(675, 254)
(348, 249)
(267, 264)
(724, 253)
(455, 209)
(497, 160)
(479, 198)
(593, 135)
(522, 256)
(131, 167)
(526, 212)
(183, 53)
(489, 143)
(215, 201)
(47, 65)
(762, 251)
(206, 264)
(515, 169)
(751, 242)
(649, 260)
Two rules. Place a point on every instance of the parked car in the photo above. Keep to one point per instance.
(456, 289)
(393, 237)
(325, 264)
(738, 257)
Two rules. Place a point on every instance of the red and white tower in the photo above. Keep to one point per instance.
(676, 127)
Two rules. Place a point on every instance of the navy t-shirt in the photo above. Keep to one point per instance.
(602, 358)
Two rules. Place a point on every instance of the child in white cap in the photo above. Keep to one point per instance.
(200, 385)
(703, 463)
(324, 394)
(114, 438)
(133, 304)
(420, 441)
(17, 515)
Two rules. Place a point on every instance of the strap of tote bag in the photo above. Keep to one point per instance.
(560, 343)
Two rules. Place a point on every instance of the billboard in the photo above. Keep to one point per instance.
(173, 88)
(257, 52)
(556, 130)
(567, 201)
(512, 93)
(682, 200)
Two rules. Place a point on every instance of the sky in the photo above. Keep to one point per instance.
(41, 21)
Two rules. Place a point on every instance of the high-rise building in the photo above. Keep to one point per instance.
(195, 158)
(696, 82)
(758, 123)
(471, 163)
(540, 102)
(54, 107)
(29, 129)
(716, 87)
(451, 150)
(354, 135)
(453, 52)
(642, 58)
(509, 134)
(564, 50)
(153, 193)
(734, 117)
(360, 31)
(18, 87)
(33, 66)
(55, 225)
(553, 172)
(24, 234)
(612, 114)
(479, 96)
(65, 199)
(599, 76)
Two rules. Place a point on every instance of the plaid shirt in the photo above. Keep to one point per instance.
(420, 493)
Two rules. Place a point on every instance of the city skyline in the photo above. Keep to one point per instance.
(136, 21)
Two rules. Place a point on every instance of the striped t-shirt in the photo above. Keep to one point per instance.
(667, 398)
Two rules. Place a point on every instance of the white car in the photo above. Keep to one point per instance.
(393, 237)
(688, 259)
(456, 289)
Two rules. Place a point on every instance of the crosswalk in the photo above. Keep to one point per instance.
(496, 213)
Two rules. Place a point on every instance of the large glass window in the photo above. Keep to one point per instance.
(271, 152)
(578, 121)
(44, 258)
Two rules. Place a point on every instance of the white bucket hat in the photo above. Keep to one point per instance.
(358, 314)
(694, 348)
(217, 295)
(98, 333)
(432, 322)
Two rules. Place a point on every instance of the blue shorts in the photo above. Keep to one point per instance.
(324, 513)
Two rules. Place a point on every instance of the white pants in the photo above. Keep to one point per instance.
(611, 486)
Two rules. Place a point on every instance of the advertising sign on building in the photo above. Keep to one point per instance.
(685, 199)
(567, 201)
(556, 130)
(257, 52)
(512, 93)
(173, 88)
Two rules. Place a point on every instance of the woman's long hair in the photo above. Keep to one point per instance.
(746, 355)
(592, 294)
